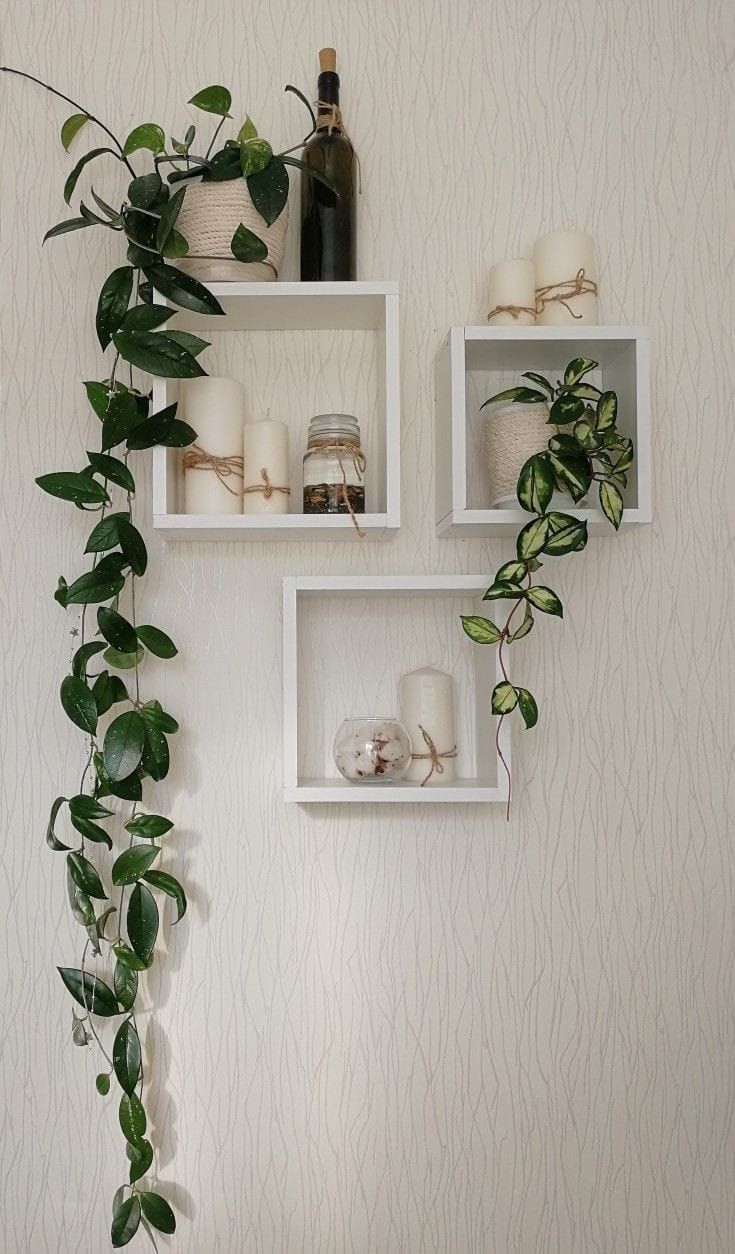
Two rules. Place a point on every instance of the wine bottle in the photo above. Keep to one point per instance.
(328, 236)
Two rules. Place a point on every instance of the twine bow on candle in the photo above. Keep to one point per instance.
(564, 291)
(196, 458)
(433, 756)
(514, 310)
(266, 487)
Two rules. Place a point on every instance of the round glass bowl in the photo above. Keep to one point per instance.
(372, 750)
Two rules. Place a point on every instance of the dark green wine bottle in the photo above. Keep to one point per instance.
(328, 236)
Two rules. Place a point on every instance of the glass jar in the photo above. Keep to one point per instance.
(372, 750)
(334, 466)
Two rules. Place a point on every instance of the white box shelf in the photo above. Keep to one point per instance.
(317, 322)
(346, 642)
(476, 362)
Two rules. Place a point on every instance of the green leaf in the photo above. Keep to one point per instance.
(155, 753)
(527, 706)
(585, 435)
(128, 789)
(568, 537)
(94, 586)
(109, 212)
(480, 630)
(133, 547)
(98, 395)
(113, 469)
(504, 699)
(102, 1083)
(120, 419)
(61, 592)
(162, 428)
(116, 630)
(147, 135)
(126, 1056)
(158, 1212)
(532, 538)
(578, 368)
(73, 178)
(255, 154)
(79, 704)
(157, 353)
(540, 379)
(123, 661)
(125, 982)
(269, 190)
(107, 690)
(214, 99)
(148, 826)
(566, 409)
(85, 876)
(246, 246)
(584, 391)
(572, 472)
(72, 127)
(224, 167)
(544, 599)
(90, 831)
(78, 1031)
(132, 1118)
(248, 130)
(527, 396)
(126, 1222)
(129, 959)
(71, 486)
(104, 535)
(168, 217)
(607, 411)
(51, 839)
(183, 289)
(611, 501)
(141, 1157)
(157, 642)
(145, 317)
(133, 863)
(167, 884)
(63, 228)
(144, 191)
(113, 303)
(511, 572)
(536, 484)
(500, 590)
(123, 745)
(142, 921)
(192, 343)
(524, 628)
(90, 991)
(156, 717)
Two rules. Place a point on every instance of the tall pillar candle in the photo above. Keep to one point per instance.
(215, 408)
(427, 713)
(512, 295)
(265, 454)
(566, 278)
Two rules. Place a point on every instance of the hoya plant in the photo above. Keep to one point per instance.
(585, 449)
(105, 826)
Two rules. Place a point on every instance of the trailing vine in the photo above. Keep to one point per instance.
(593, 451)
(114, 899)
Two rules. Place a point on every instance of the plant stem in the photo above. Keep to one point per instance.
(218, 128)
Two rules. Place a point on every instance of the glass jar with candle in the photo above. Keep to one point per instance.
(334, 466)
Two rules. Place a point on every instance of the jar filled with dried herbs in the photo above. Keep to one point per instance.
(334, 466)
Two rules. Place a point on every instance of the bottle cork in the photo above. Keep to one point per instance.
(327, 61)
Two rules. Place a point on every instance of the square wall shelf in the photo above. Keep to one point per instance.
(476, 362)
(299, 349)
(347, 640)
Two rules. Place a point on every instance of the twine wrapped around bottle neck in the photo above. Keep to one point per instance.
(563, 292)
(330, 118)
(266, 488)
(434, 757)
(196, 458)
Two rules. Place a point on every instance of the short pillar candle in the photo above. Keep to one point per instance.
(265, 454)
(511, 287)
(566, 278)
(427, 713)
(215, 408)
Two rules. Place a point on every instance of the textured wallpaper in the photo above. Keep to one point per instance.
(401, 1028)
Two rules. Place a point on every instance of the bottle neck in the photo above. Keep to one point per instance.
(327, 98)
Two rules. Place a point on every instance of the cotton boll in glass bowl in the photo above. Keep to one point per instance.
(372, 750)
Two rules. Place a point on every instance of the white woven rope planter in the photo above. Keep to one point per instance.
(209, 217)
(511, 435)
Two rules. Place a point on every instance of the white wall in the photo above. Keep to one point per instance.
(420, 1030)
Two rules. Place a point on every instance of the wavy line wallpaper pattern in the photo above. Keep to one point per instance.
(402, 1029)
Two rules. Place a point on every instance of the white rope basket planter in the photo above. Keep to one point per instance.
(511, 434)
(209, 217)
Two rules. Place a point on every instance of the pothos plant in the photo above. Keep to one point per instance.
(114, 894)
(586, 448)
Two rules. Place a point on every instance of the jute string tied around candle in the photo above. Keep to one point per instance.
(266, 487)
(563, 292)
(514, 310)
(196, 458)
(335, 122)
(340, 449)
(433, 756)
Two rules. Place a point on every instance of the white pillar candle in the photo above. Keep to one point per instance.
(511, 287)
(558, 258)
(265, 453)
(427, 702)
(215, 408)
